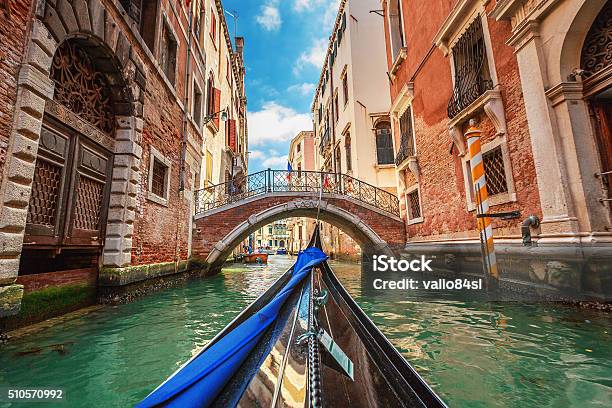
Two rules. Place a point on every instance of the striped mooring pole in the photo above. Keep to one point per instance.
(482, 205)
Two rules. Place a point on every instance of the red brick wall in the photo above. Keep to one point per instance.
(441, 184)
(161, 232)
(212, 229)
(12, 46)
(31, 283)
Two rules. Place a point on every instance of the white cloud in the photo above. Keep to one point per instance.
(314, 56)
(331, 11)
(270, 18)
(276, 162)
(256, 154)
(276, 123)
(304, 89)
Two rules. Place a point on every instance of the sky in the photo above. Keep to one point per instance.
(285, 45)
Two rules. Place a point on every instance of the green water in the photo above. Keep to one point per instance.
(474, 354)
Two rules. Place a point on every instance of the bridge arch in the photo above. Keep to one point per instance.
(218, 232)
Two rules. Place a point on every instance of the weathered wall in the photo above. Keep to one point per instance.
(14, 31)
(442, 184)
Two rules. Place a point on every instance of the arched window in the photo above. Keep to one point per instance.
(384, 143)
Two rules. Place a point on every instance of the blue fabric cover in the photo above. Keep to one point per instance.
(198, 383)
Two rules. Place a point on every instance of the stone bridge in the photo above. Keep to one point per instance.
(227, 213)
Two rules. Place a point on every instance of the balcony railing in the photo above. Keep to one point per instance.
(406, 150)
(465, 94)
(271, 181)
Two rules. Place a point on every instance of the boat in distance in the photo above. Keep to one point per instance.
(257, 258)
(303, 343)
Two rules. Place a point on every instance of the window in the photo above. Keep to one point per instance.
(148, 22)
(300, 232)
(396, 29)
(210, 96)
(299, 147)
(197, 19)
(209, 168)
(407, 147)
(196, 112)
(384, 143)
(269, 230)
(336, 110)
(213, 27)
(159, 177)
(338, 159)
(345, 88)
(472, 76)
(413, 205)
(496, 164)
(495, 172)
(299, 170)
(168, 54)
(347, 150)
(158, 184)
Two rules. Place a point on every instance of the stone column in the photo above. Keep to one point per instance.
(555, 198)
(122, 205)
(34, 87)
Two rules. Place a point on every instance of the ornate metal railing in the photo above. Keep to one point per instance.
(270, 181)
(406, 150)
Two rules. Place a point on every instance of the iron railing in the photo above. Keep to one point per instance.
(406, 150)
(275, 181)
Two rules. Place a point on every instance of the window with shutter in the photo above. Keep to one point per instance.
(217, 106)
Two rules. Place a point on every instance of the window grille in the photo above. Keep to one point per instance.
(495, 172)
(158, 182)
(596, 50)
(89, 204)
(384, 144)
(472, 77)
(407, 142)
(414, 206)
(45, 194)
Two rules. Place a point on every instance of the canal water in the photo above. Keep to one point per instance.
(473, 353)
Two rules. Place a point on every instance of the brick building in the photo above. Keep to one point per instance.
(107, 113)
(497, 62)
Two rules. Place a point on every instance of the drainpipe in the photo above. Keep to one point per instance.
(186, 103)
(531, 221)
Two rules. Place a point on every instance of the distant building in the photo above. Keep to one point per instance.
(272, 236)
(351, 103)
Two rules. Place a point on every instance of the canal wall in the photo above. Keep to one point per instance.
(551, 271)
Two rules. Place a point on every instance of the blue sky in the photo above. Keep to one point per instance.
(285, 44)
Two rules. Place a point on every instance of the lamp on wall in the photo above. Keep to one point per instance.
(222, 116)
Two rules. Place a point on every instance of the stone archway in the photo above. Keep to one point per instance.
(218, 234)
(53, 23)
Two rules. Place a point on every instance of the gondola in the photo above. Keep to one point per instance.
(303, 343)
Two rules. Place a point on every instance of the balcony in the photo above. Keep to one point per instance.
(405, 151)
(465, 94)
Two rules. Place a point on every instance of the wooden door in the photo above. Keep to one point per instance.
(603, 118)
(70, 192)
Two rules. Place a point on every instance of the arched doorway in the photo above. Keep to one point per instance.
(67, 212)
(596, 66)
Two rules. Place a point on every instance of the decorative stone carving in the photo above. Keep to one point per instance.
(413, 165)
(494, 108)
(457, 137)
